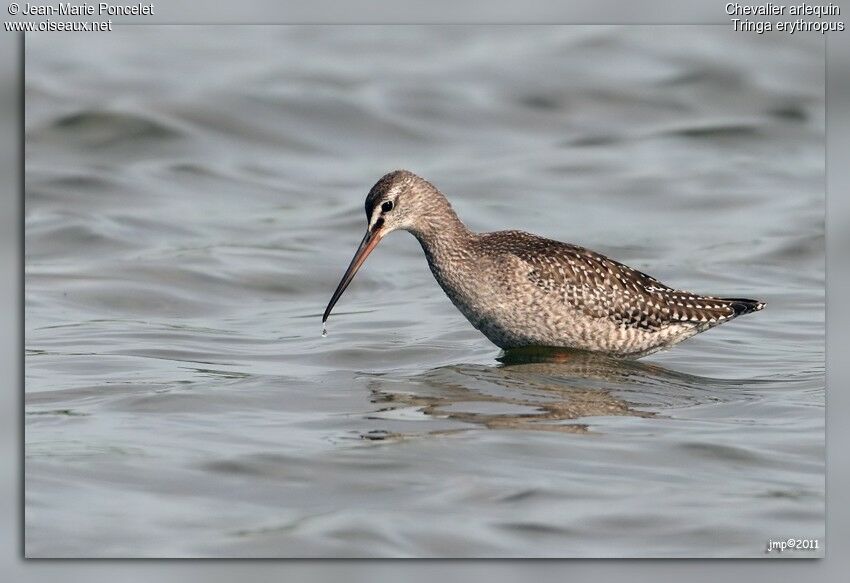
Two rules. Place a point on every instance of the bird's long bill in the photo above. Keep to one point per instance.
(369, 242)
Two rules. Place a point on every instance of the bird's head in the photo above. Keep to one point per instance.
(399, 200)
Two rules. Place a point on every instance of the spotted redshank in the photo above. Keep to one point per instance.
(521, 290)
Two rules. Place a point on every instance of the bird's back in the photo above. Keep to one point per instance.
(579, 298)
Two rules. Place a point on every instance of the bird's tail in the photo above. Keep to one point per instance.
(743, 306)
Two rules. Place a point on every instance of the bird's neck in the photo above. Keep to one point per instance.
(441, 232)
(450, 249)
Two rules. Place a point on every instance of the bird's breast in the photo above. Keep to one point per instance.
(489, 293)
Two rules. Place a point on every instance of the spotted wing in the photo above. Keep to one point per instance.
(603, 288)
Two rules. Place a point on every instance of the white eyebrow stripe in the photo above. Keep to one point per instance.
(376, 215)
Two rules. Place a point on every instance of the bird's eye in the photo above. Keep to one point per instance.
(387, 206)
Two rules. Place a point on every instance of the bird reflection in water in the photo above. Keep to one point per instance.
(538, 389)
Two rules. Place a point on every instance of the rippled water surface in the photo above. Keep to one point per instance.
(194, 194)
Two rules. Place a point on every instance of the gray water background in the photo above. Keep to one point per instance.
(194, 193)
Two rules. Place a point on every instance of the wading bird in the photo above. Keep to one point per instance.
(521, 290)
